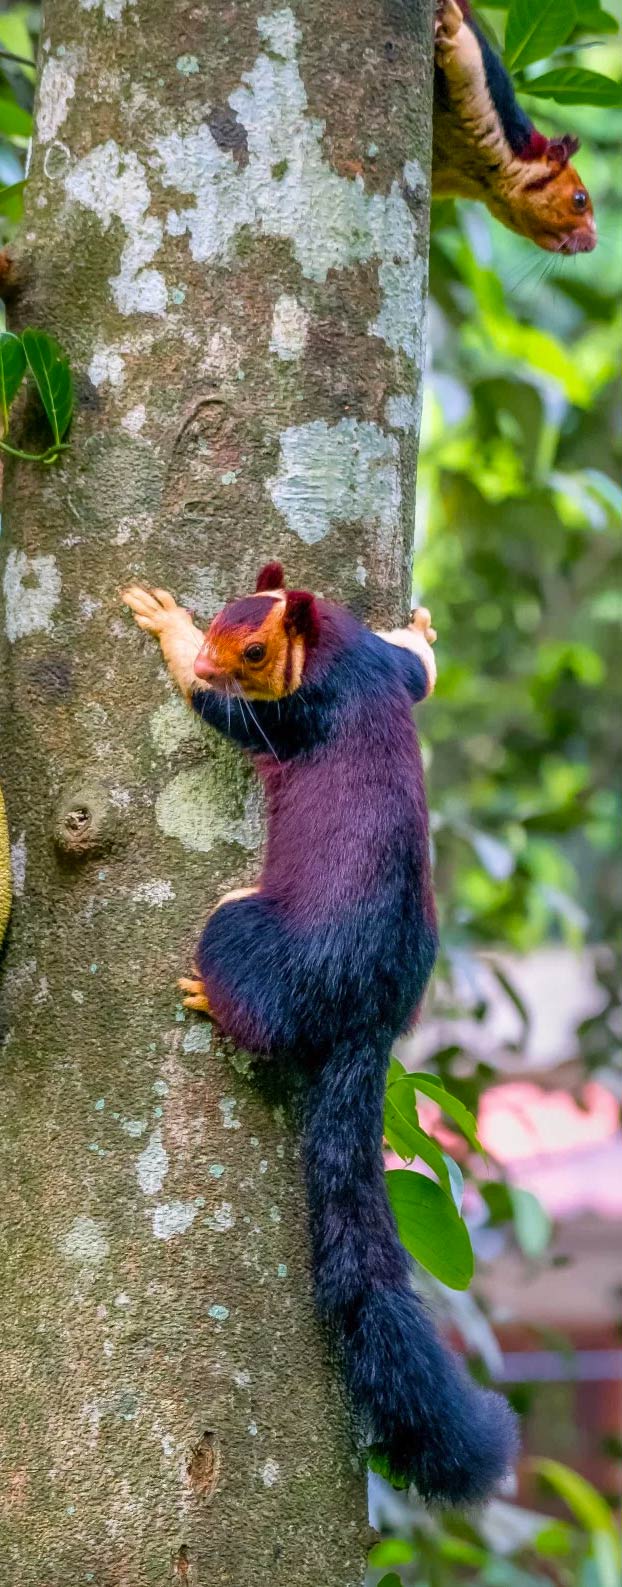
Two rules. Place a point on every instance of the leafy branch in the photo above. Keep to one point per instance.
(38, 354)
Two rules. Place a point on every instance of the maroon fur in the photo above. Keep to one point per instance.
(302, 616)
(271, 577)
(244, 615)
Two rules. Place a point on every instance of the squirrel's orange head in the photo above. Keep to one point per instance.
(257, 646)
(551, 203)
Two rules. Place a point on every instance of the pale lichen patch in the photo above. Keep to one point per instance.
(290, 326)
(85, 1242)
(32, 587)
(106, 365)
(174, 723)
(18, 864)
(401, 412)
(134, 420)
(155, 893)
(337, 474)
(197, 1039)
(227, 1106)
(113, 184)
(415, 179)
(190, 809)
(173, 1217)
(270, 1473)
(134, 1127)
(222, 1218)
(56, 88)
(288, 190)
(112, 9)
(187, 65)
(152, 1165)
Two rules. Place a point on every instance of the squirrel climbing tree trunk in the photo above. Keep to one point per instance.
(226, 228)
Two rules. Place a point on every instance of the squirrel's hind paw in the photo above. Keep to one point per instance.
(421, 622)
(195, 995)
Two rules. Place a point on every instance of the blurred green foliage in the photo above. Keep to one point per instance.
(19, 26)
(519, 557)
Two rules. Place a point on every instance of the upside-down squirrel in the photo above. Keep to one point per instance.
(485, 147)
(325, 961)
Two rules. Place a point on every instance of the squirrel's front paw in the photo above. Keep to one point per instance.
(152, 608)
(448, 20)
(421, 622)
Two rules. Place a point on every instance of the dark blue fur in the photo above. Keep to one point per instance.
(325, 968)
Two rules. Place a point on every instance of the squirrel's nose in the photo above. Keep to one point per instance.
(204, 667)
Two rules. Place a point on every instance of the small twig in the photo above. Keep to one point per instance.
(49, 456)
(20, 60)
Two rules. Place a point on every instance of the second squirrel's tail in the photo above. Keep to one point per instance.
(419, 1406)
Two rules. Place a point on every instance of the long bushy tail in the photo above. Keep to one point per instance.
(418, 1404)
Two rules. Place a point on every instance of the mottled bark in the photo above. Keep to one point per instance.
(226, 227)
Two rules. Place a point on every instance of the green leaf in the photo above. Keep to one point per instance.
(401, 1125)
(593, 1514)
(52, 376)
(607, 1558)
(430, 1153)
(532, 1224)
(461, 1552)
(592, 19)
(395, 1071)
(496, 1195)
(430, 1227)
(535, 28)
(391, 1551)
(432, 1087)
(527, 345)
(555, 1541)
(456, 1180)
(14, 36)
(14, 122)
(12, 201)
(573, 85)
(405, 1136)
(12, 367)
(390, 1581)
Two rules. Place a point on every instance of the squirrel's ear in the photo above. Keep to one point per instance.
(560, 150)
(271, 577)
(302, 616)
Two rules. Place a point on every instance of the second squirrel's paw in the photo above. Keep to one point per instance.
(152, 609)
(448, 21)
(195, 995)
(421, 622)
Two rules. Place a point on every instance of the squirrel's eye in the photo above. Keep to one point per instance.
(254, 652)
(579, 199)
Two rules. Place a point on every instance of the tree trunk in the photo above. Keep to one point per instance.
(227, 219)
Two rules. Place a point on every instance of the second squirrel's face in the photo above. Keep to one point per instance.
(558, 214)
(249, 649)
